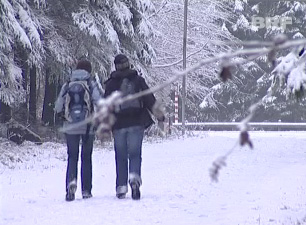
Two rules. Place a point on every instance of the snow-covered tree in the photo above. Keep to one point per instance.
(252, 80)
(51, 36)
(111, 27)
(20, 34)
(98, 30)
(205, 36)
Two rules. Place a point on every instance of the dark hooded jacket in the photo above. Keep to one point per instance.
(140, 117)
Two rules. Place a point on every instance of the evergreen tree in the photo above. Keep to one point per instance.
(20, 32)
(252, 80)
(51, 36)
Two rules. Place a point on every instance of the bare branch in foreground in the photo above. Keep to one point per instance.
(110, 103)
(214, 171)
(218, 164)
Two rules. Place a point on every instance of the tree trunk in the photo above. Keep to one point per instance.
(5, 112)
(49, 99)
(22, 113)
(32, 99)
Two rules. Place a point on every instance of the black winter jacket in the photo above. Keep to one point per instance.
(140, 117)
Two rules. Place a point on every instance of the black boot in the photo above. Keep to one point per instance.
(135, 190)
(86, 194)
(135, 182)
(121, 191)
(70, 196)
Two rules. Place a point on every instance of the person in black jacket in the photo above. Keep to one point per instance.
(132, 118)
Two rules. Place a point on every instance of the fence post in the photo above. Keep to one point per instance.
(176, 105)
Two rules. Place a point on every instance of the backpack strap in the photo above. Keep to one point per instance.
(90, 82)
(66, 88)
(90, 85)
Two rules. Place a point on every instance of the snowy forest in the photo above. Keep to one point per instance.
(41, 42)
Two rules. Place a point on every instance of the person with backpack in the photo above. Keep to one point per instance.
(132, 118)
(75, 103)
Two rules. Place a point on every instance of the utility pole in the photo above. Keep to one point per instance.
(184, 66)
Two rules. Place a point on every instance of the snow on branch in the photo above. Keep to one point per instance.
(30, 26)
(291, 71)
(181, 60)
(97, 25)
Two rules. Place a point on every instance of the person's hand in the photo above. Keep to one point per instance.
(162, 128)
(158, 111)
(161, 125)
(61, 116)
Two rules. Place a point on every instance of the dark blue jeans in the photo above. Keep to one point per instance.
(128, 144)
(73, 141)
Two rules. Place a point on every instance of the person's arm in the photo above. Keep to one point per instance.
(149, 100)
(107, 91)
(96, 92)
(60, 101)
(108, 88)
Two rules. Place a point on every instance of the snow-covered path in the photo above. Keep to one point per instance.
(266, 185)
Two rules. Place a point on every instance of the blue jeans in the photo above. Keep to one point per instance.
(128, 144)
(73, 141)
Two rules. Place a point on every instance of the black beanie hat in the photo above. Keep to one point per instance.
(84, 64)
(121, 62)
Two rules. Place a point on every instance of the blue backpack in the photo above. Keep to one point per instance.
(78, 103)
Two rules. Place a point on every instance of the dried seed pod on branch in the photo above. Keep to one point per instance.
(226, 73)
(216, 167)
(245, 139)
(104, 118)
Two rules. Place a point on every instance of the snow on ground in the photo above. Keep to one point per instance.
(266, 185)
